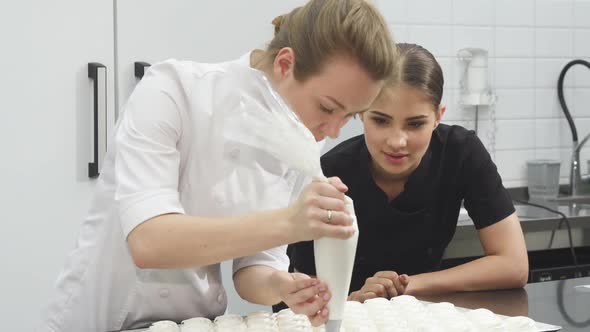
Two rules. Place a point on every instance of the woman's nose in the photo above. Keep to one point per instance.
(397, 140)
(332, 131)
(332, 128)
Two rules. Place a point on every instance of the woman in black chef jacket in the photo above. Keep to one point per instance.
(407, 176)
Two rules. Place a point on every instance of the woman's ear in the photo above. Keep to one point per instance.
(439, 113)
(284, 63)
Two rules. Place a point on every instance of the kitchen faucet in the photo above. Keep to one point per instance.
(575, 176)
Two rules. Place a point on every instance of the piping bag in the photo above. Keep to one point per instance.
(257, 116)
(334, 260)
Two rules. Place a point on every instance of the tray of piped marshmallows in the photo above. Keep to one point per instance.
(403, 313)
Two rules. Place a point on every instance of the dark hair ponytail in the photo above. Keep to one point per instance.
(419, 69)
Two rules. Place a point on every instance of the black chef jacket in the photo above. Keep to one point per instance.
(409, 234)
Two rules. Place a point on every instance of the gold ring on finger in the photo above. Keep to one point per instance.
(329, 220)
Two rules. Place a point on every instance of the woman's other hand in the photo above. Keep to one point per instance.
(385, 284)
(304, 295)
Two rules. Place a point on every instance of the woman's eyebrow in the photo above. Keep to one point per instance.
(335, 101)
(381, 114)
(413, 118)
(418, 117)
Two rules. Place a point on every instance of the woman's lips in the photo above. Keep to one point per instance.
(396, 158)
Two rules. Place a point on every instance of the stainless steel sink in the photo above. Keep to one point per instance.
(579, 201)
(571, 199)
(572, 206)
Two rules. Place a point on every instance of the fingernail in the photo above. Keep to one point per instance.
(326, 297)
(325, 312)
(321, 289)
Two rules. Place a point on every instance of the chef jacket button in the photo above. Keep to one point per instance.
(164, 292)
(234, 153)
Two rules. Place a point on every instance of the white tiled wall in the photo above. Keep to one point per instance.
(529, 42)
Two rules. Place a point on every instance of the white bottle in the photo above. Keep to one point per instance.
(334, 260)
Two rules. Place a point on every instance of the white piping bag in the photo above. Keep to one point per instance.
(334, 260)
(260, 118)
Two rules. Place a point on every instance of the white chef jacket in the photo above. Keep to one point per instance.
(171, 155)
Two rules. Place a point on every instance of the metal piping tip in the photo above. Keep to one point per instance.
(333, 325)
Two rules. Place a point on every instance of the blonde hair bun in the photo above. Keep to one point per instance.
(324, 28)
(277, 22)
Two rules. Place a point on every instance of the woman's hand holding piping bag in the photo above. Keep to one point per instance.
(320, 211)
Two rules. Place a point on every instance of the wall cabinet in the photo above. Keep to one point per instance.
(45, 104)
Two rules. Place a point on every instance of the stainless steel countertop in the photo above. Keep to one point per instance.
(563, 302)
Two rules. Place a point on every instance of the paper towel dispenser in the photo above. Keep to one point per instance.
(475, 85)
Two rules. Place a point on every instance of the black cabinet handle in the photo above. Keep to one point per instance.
(98, 73)
(140, 68)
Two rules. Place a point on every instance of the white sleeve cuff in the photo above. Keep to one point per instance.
(154, 205)
(275, 258)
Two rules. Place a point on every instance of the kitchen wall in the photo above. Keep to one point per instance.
(529, 42)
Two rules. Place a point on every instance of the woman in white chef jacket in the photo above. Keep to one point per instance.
(176, 197)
